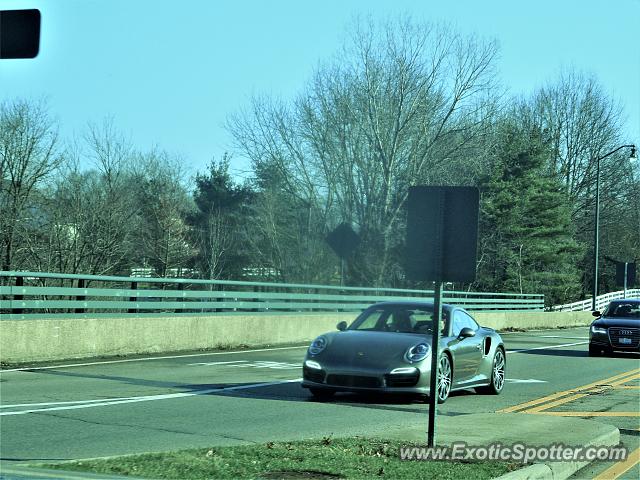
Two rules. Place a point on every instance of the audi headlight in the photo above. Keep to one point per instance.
(318, 345)
(417, 353)
(596, 329)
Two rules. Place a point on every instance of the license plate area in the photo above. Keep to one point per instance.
(624, 341)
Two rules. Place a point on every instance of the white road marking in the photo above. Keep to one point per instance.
(268, 364)
(148, 398)
(533, 332)
(192, 355)
(247, 364)
(560, 336)
(127, 360)
(520, 380)
(257, 385)
(45, 404)
(211, 364)
(547, 347)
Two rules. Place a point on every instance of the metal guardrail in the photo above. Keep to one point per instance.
(601, 301)
(25, 295)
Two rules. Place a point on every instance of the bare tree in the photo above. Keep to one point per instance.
(28, 156)
(83, 231)
(214, 239)
(87, 218)
(113, 195)
(398, 107)
(581, 123)
(286, 239)
(162, 234)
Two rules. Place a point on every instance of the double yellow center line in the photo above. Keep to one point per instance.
(541, 405)
(559, 398)
(620, 468)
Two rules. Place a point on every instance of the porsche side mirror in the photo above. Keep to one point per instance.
(467, 332)
(342, 326)
(596, 313)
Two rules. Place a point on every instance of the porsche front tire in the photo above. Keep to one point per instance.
(322, 393)
(445, 378)
(498, 369)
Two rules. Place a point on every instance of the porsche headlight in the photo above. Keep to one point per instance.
(318, 345)
(417, 353)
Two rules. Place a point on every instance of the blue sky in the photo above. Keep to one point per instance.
(170, 72)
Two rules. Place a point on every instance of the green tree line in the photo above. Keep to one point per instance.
(402, 104)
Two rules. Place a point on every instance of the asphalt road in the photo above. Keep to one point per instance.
(70, 411)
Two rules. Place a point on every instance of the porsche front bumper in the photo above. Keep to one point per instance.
(399, 380)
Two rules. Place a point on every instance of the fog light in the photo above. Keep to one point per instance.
(312, 364)
(403, 370)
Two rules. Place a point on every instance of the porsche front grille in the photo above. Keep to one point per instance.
(353, 381)
(402, 380)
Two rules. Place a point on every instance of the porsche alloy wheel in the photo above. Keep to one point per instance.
(499, 364)
(497, 374)
(444, 378)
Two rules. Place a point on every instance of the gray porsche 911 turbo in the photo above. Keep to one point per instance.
(388, 349)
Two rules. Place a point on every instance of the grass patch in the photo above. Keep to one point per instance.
(312, 459)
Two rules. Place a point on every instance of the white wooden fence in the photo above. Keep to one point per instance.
(601, 302)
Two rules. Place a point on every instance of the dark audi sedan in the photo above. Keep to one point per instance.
(617, 328)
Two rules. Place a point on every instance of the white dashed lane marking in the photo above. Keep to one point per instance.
(147, 359)
(559, 336)
(521, 380)
(146, 398)
(546, 347)
(247, 364)
(268, 364)
(212, 364)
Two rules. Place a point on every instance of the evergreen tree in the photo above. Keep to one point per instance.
(528, 243)
(219, 221)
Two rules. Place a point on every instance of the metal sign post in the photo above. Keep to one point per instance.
(626, 274)
(442, 234)
(435, 370)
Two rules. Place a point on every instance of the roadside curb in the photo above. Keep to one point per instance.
(559, 430)
(517, 428)
(563, 470)
(32, 472)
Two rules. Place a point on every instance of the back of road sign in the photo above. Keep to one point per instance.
(442, 233)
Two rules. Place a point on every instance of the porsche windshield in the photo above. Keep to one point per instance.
(401, 319)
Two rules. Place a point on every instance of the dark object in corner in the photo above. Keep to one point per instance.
(19, 33)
